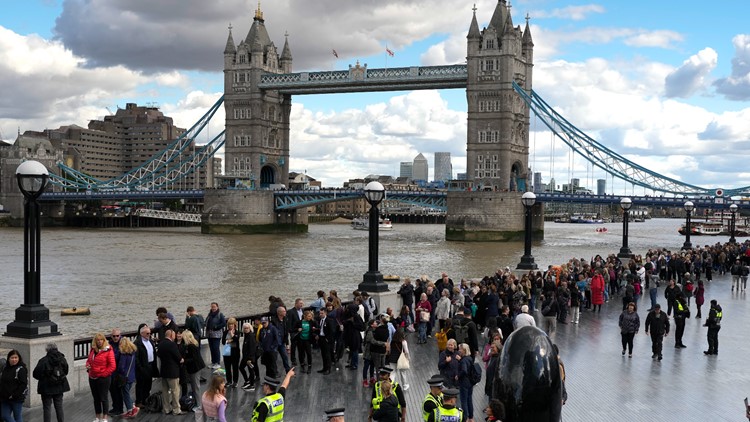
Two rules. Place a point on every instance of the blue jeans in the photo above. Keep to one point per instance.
(11, 407)
(652, 294)
(284, 356)
(467, 400)
(422, 331)
(354, 354)
(214, 344)
(368, 369)
(126, 399)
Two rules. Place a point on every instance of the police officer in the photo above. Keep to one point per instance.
(448, 412)
(271, 407)
(434, 398)
(714, 325)
(334, 415)
(384, 373)
(681, 313)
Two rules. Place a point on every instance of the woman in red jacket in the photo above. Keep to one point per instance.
(597, 291)
(100, 366)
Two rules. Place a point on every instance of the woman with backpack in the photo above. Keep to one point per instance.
(13, 387)
(52, 371)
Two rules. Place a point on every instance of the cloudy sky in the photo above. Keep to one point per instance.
(666, 84)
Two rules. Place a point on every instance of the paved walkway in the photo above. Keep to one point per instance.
(602, 385)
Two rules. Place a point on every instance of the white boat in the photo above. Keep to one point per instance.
(364, 224)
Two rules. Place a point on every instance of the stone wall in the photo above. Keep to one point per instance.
(227, 211)
(490, 217)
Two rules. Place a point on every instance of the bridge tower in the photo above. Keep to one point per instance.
(497, 139)
(257, 121)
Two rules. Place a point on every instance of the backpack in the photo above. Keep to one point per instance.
(187, 402)
(57, 375)
(153, 403)
(475, 374)
(462, 332)
(547, 310)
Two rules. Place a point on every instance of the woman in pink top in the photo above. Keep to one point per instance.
(213, 401)
(100, 366)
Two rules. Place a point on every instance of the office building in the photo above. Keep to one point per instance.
(420, 168)
(443, 166)
(406, 169)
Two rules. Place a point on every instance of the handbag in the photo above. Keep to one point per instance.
(403, 362)
(227, 351)
(120, 379)
(424, 316)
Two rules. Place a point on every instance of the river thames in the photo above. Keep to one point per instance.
(123, 275)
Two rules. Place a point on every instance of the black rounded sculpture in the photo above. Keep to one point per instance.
(527, 380)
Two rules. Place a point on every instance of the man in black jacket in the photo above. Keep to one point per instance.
(326, 339)
(658, 322)
(145, 365)
(169, 356)
(52, 371)
(670, 293)
(279, 321)
(406, 291)
(293, 317)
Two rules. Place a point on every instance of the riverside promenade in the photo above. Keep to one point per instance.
(602, 384)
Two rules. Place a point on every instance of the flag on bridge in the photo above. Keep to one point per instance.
(390, 52)
(335, 54)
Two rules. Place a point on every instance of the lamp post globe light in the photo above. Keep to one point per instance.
(689, 206)
(732, 226)
(372, 281)
(32, 318)
(625, 204)
(527, 260)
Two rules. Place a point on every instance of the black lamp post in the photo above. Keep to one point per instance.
(688, 209)
(732, 227)
(625, 204)
(527, 260)
(32, 318)
(372, 281)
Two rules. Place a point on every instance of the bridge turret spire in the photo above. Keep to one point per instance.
(527, 41)
(230, 48)
(474, 27)
(258, 13)
(286, 55)
(499, 16)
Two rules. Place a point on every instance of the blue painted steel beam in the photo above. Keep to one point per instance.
(361, 79)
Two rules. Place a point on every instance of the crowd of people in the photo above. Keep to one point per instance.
(469, 320)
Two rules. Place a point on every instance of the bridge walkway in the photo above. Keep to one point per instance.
(602, 384)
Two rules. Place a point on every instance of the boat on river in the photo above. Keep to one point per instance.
(714, 228)
(364, 224)
(585, 219)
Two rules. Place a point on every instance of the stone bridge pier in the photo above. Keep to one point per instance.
(227, 211)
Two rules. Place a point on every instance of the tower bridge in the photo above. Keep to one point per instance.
(259, 85)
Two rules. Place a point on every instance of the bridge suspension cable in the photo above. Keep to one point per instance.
(608, 160)
(164, 167)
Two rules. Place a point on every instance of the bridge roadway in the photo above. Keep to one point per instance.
(602, 385)
(292, 199)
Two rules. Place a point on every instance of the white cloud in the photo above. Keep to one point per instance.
(690, 77)
(658, 38)
(737, 85)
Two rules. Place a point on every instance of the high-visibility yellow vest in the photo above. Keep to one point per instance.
(379, 395)
(431, 398)
(275, 404)
(448, 415)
